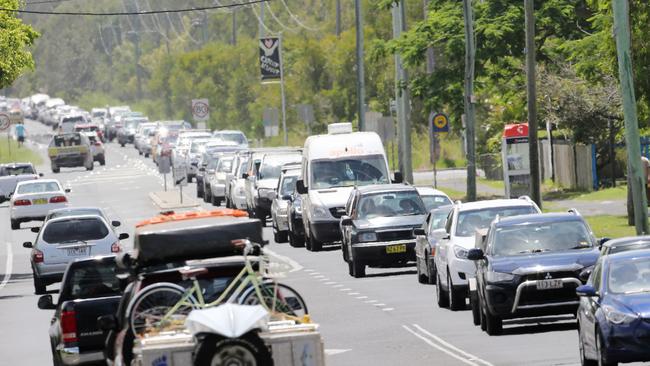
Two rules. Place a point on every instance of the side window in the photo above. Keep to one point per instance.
(349, 206)
(449, 221)
(596, 276)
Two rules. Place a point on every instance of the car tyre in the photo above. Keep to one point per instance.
(102, 161)
(315, 245)
(146, 155)
(602, 357)
(456, 298)
(358, 268)
(296, 241)
(15, 225)
(280, 236)
(431, 271)
(39, 286)
(493, 324)
(55, 169)
(443, 299)
(247, 349)
(422, 278)
(122, 144)
(476, 311)
(344, 250)
(482, 316)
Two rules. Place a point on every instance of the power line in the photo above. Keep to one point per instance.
(83, 13)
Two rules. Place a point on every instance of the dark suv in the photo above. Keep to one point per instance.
(530, 266)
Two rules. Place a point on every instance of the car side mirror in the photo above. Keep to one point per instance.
(584, 275)
(107, 322)
(123, 236)
(586, 291)
(35, 229)
(244, 176)
(419, 232)
(602, 241)
(45, 303)
(28, 245)
(475, 254)
(300, 187)
(286, 197)
(346, 221)
(398, 177)
(67, 190)
(202, 169)
(116, 223)
(446, 236)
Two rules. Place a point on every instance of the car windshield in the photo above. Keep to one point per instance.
(387, 204)
(349, 171)
(74, 230)
(99, 114)
(225, 165)
(17, 170)
(469, 221)
(435, 201)
(288, 185)
(626, 247)
(630, 276)
(40, 187)
(93, 280)
(236, 137)
(213, 162)
(73, 119)
(439, 218)
(272, 165)
(541, 237)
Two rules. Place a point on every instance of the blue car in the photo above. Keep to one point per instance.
(614, 311)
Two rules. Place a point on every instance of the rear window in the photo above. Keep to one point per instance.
(27, 169)
(433, 202)
(74, 212)
(73, 119)
(67, 140)
(74, 230)
(470, 221)
(39, 187)
(93, 280)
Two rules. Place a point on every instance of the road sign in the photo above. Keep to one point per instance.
(200, 109)
(164, 165)
(179, 175)
(271, 121)
(5, 122)
(439, 122)
(306, 113)
(270, 65)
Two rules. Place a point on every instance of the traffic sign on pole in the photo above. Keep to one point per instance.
(439, 122)
(200, 110)
(5, 122)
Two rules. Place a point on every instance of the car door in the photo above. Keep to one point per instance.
(589, 306)
(421, 242)
(350, 210)
(443, 247)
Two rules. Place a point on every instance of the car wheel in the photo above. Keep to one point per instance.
(90, 167)
(431, 271)
(358, 268)
(443, 299)
(493, 324)
(296, 241)
(39, 285)
(207, 197)
(102, 161)
(315, 245)
(456, 298)
(602, 356)
(422, 278)
(350, 269)
(146, 155)
(15, 225)
(55, 169)
(584, 361)
(139, 152)
(280, 237)
(122, 144)
(346, 256)
(228, 204)
(248, 349)
(199, 193)
(473, 301)
(482, 315)
(213, 200)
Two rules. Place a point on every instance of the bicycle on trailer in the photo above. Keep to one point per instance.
(163, 304)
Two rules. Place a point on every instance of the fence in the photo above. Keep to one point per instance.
(573, 165)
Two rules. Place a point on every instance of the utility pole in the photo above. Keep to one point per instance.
(431, 61)
(338, 18)
(632, 142)
(402, 98)
(470, 53)
(233, 39)
(533, 148)
(361, 88)
(261, 27)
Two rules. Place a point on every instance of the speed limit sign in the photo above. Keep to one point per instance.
(200, 109)
(4, 122)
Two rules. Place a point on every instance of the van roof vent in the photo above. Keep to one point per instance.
(339, 128)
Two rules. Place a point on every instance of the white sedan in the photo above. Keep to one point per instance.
(33, 199)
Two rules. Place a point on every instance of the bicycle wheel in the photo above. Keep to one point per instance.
(149, 309)
(287, 300)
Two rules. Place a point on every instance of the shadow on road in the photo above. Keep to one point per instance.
(393, 273)
(18, 277)
(10, 297)
(331, 248)
(537, 325)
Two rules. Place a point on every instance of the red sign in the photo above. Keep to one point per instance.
(516, 130)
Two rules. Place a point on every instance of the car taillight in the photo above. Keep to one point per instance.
(98, 143)
(433, 252)
(37, 256)
(22, 202)
(69, 326)
(58, 199)
(115, 248)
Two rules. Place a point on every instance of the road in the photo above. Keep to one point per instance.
(384, 319)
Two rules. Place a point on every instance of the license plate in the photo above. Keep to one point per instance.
(77, 251)
(549, 284)
(40, 201)
(399, 248)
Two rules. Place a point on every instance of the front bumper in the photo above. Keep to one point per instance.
(282, 222)
(325, 231)
(218, 190)
(376, 253)
(72, 356)
(628, 343)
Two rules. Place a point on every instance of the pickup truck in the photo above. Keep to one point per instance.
(13, 173)
(90, 289)
(70, 150)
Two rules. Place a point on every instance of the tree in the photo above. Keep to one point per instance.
(15, 38)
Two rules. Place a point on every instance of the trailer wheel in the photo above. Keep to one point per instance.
(248, 349)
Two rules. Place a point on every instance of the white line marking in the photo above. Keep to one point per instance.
(332, 352)
(362, 297)
(9, 266)
(379, 304)
(432, 344)
(319, 276)
(370, 301)
(324, 279)
(353, 293)
(330, 283)
(339, 285)
(345, 289)
(388, 309)
(309, 270)
(451, 346)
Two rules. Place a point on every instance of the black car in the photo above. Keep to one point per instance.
(90, 289)
(530, 266)
(426, 243)
(296, 227)
(378, 226)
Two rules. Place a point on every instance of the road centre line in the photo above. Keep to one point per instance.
(353, 293)
(451, 346)
(8, 267)
(438, 347)
(362, 297)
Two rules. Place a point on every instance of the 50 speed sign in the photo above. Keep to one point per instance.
(200, 109)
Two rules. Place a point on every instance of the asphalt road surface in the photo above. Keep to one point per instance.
(386, 318)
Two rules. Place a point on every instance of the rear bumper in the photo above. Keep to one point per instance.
(34, 212)
(72, 356)
(69, 162)
(375, 253)
(218, 190)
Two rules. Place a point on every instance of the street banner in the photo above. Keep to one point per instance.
(200, 110)
(270, 58)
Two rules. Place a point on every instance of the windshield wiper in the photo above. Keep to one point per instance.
(535, 251)
(74, 241)
(580, 247)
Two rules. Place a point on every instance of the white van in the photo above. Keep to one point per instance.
(332, 165)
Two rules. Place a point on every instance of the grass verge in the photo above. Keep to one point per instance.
(607, 194)
(610, 226)
(9, 152)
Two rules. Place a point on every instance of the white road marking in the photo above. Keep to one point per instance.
(353, 293)
(319, 276)
(459, 352)
(324, 279)
(8, 267)
(332, 352)
(309, 270)
(379, 304)
(440, 348)
(339, 285)
(362, 297)
(330, 283)
(295, 266)
(388, 309)
(345, 289)
(371, 301)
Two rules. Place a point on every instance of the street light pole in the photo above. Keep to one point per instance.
(531, 91)
(470, 54)
(361, 88)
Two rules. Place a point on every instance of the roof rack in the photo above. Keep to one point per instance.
(525, 198)
(458, 202)
(574, 211)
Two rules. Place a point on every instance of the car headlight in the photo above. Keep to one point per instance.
(297, 206)
(320, 213)
(618, 317)
(366, 237)
(499, 276)
(460, 252)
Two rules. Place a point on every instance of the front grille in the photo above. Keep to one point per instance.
(337, 212)
(543, 275)
(532, 296)
(395, 235)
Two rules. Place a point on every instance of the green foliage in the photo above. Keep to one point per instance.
(15, 39)
(10, 152)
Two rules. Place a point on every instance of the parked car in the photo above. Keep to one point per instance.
(207, 167)
(236, 185)
(453, 267)
(280, 205)
(70, 150)
(217, 181)
(33, 199)
(426, 242)
(613, 321)
(90, 288)
(296, 226)
(64, 239)
(378, 224)
(433, 198)
(625, 244)
(235, 136)
(13, 173)
(96, 147)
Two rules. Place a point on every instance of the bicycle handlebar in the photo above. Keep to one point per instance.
(247, 247)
